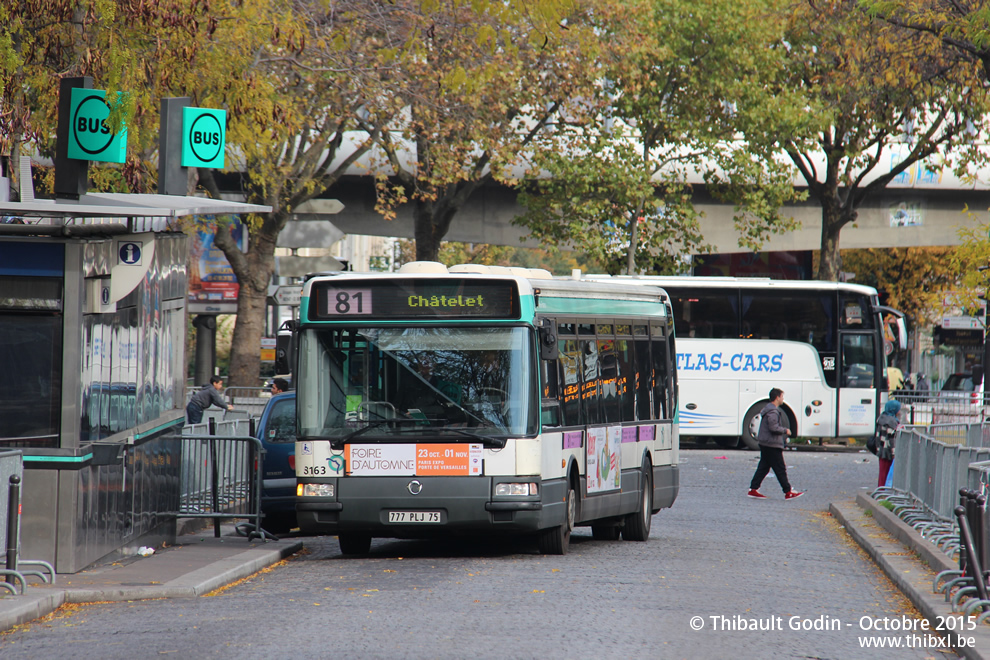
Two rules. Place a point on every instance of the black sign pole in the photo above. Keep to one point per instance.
(71, 175)
(173, 178)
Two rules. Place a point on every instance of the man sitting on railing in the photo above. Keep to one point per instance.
(203, 399)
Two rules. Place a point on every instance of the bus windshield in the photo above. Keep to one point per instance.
(463, 383)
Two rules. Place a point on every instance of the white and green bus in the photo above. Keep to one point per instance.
(823, 343)
(483, 400)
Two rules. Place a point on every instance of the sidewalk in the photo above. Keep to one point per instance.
(910, 562)
(197, 564)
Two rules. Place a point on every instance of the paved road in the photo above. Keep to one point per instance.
(715, 554)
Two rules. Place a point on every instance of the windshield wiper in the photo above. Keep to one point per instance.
(487, 440)
(338, 443)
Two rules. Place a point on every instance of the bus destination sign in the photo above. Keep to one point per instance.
(413, 299)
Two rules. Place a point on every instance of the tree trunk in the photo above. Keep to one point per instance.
(426, 232)
(254, 273)
(830, 261)
(633, 240)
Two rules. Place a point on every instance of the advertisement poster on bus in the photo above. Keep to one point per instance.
(213, 287)
(602, 464)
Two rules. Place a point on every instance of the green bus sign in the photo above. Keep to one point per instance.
(90, 137)
(204, 134)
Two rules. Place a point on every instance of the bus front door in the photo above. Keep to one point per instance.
(858, 384)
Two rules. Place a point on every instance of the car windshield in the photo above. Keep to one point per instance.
(387, 383)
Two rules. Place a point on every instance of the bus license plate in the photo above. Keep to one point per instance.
(414, 516)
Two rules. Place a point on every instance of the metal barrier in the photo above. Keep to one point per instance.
(251, 400)
(220, 475)
(941, 476)
(11, 473)
(942, 407)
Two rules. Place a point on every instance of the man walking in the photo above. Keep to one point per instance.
(201, 400)
(771, 439)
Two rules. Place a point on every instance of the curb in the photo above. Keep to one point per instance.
(21, 609)
(905, 569)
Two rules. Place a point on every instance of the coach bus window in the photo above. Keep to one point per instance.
(804, 316)
(706, 315)
(858, 359)
(855, 312)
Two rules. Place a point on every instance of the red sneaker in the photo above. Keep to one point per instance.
(794, 494)
(756, 494)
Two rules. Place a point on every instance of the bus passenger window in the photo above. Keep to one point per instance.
(626, 384)
(570, 382)
(609, 366)
(643, 381)
(591, 383)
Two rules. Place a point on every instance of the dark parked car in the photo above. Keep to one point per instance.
(277, 432)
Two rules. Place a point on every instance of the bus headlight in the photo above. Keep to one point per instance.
(314, 490)
(517, 490)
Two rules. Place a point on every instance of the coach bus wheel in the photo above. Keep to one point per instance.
(605, 532)
(556, 540)
(637, 527)
(354, 544)
(751, 425)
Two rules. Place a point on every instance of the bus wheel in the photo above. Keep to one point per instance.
(354, 544)
(605, 532)
(637, 527)
(751, 425)
(556, 540)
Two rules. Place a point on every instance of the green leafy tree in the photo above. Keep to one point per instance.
(146, 51)
(615, 183)
(880, 100)
(963, 26)
(471, 85)
(285, 72)
(911, 280)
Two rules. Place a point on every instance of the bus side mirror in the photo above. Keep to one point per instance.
(285, 348)
(547, 334)
(977, 374)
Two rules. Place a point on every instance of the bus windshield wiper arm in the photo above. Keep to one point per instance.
(486, 439)
(338, 443)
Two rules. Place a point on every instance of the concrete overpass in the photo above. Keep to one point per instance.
(898, 217)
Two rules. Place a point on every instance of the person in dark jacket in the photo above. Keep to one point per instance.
(887, 424)
(771, 437)
(203, 399)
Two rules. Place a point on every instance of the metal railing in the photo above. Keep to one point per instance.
(11, 473)
(923, 407)
(220, 476)
(941, 479)
(251, 400)
(247, 401)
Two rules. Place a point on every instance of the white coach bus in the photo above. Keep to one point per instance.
(823, 343)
